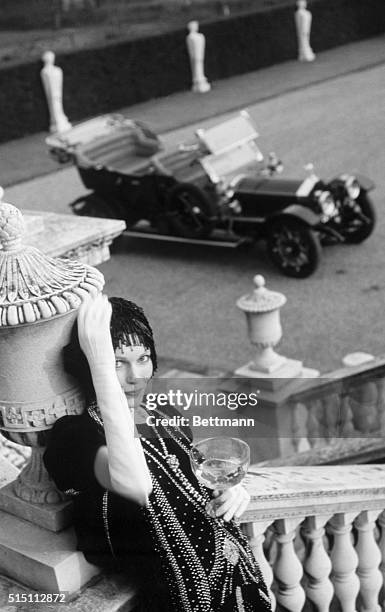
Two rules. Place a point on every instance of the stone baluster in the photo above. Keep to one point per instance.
(369, 559)
(332, 411)
(299, 427)
(363, 404)
(347, 426)
(315, 423)
(317, 564)
(381, 546)
(344, 562)
(255, 533)
(287, 567)
(381, 404)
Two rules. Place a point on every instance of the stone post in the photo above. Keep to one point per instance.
(39, 298)
(303, 19)
(196, 44)
(52, 79)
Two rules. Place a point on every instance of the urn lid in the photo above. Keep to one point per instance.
(34, 286)
(261, 299)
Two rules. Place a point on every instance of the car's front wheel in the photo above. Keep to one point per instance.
(190, 211)
(358, 219)
(294, 248)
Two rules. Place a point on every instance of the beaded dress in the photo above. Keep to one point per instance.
(180, 558)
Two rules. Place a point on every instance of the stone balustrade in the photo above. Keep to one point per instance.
(318, 534)
(345, 404)
(337, 417)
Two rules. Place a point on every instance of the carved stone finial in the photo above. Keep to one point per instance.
(261, 299)
(12, 226)
(259, 280)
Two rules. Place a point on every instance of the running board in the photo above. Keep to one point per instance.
(231, 242)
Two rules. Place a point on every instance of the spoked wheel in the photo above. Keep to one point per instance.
(294, 248)
(358, 219)
(92, 206)
(190, 211)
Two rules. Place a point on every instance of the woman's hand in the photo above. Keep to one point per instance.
(94, 316)
(230, 503)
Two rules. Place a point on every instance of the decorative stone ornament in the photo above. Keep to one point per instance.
(196, 44)
(34, 286)
(39, 297)
(262, 309)
(52, 79)
(303, 19)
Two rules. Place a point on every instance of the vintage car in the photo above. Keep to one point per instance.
(217, 182)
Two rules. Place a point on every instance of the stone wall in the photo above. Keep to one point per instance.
(109, 78)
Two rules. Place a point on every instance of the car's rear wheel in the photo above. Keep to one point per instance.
(294, 248)
(358, 219)
(190, 211)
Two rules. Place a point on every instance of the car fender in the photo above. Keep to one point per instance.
(306, 215)
(364, 182)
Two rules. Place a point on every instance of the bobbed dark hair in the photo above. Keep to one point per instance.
(129, 326)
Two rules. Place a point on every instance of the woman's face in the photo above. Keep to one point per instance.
(134, 370)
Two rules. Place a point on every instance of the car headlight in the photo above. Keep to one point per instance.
(327, 204)
(352, 187)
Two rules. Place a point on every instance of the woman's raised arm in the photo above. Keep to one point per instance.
(121, 465)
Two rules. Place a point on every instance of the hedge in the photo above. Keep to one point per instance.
(109, 78)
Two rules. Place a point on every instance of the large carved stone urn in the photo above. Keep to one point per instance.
(39, 298)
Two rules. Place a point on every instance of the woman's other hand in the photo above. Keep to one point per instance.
(230, 503)
(94, 316)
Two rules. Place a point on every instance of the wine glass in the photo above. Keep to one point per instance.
(219, 463)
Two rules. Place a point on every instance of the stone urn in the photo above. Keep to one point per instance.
(262, 310)
(39, 298)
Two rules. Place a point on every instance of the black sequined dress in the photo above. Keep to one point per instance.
(178, 557)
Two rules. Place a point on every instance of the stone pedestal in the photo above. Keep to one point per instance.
(34, 555)
(53, 517)
(43, 560)
(289, 369)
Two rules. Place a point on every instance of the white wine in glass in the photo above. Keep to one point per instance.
(220, 463)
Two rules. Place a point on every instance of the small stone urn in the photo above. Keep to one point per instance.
(262, 310)
(39, 297)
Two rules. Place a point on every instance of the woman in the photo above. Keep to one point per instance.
(138, 505)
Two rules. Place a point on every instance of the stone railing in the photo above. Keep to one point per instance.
(319, 536)
(343, 404)
(342, 412)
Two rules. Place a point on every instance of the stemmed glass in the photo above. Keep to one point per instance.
(220, 463)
